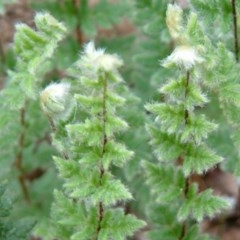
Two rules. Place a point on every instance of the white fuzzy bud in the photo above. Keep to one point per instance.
(93, 60)
(56, 101)
(183, 56)
(174, 20)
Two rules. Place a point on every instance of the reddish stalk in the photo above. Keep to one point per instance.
(19, 156)
(78, 31)
(234, 14)
(104, 142)
(187, 180)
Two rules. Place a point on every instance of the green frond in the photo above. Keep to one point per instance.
(225, 69)
(231, 112)
(197, 206)
(194, 233)
(199, 159)
(117, 154)
(166, 147)
(48, 25)
(114, 125)
(115, 99)
(175, 91)
(194, 30)
(92, 103)
(14, 99)
(9, 228)
(90, 132)
(229, 93)
(86, 230)
(197, 129)
(164, 222)
(28, 41)
(215, 17)
(68, 169)
(171, 117)
(67, 211)
(195, 97)
(34, 50)
(166, 182)
(116, 223)
(106, 190)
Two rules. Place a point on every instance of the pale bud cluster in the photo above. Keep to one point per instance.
(43, 19)
(56, 101)
(95, 60)
(184, 57)
(174, 20)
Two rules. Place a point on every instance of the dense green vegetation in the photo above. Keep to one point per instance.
(110, 111)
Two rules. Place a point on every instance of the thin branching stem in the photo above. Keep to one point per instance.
(186, 113)
(54, 129)
(104, 142)
(78, 30)
(19, 156)
(187, 180)
(234, 14)
(184, 225)
(2, 53)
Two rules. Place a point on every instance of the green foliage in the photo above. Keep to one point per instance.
(221, 75)
(116, 223)
(165, 223)
(165, 182)
(86, 16)
(93, 149)
(24, 129)
(199, 205)
(34, 49)
(192, 119)
(219, 14)
(9, 229)
(178, 135)
(150, 18)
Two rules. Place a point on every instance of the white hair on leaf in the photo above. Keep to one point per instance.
(94, 60)
(56, 101)
(183, 56)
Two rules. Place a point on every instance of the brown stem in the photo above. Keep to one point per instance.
(100, 209)
(234, 14)
(19, 155)
(187, 180)
(186, 113)
(54, 129)
(46, 138)
(184, 225)
(2, 53)
(100, 216)
(104, 142)
(78, 31)
(33, 174)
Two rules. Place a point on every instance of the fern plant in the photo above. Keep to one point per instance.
(9, 229)
(178, 137)
(223, 71)
(87, 105)
(84, 20)
(150, 19)
(89, 148)
(23, 129)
